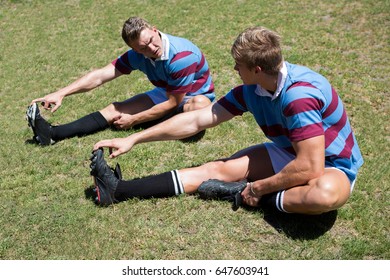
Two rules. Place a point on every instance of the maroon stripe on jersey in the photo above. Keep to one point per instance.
(301, 84)
(332, 132)
(229, 107)
(120, 67)
(190, 69)
(305, 132)
(332, 106)
(180, 56)
(211, 88)
(302, 105)
(201, 63)
(238, 94)
(347, 151)
(274, 130)
(199, 83)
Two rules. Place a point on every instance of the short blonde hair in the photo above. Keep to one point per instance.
(258, 46)
(132, 29)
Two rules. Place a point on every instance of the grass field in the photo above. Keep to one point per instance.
(46, 210)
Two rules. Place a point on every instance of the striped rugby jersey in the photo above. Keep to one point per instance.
(181, 69)
(305, 105)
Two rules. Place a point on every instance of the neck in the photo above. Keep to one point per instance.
(269, 82)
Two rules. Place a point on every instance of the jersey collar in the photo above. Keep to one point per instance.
(165, 45)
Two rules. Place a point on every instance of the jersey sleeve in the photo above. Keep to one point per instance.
(302, 108)
(234, 101)
(126, 62)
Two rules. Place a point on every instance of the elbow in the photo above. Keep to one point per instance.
(316, 173)
(94, 79)
(312, 170)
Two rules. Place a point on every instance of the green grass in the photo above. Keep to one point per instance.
(46, 212)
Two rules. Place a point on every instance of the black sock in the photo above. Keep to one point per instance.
(163, 185)
(273, 201)
(86, 125)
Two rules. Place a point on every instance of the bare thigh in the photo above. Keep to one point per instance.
(252, 163)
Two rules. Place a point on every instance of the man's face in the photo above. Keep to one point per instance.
(247, 75)
(149, 43)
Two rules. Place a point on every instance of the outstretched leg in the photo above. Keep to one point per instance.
(323, 194)
(249, 163)
(47, 134)
(252, 163)
(110, 187)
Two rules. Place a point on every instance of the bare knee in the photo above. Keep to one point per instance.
(217, 170)
(330, 195)
(196, 103)
(214, 169)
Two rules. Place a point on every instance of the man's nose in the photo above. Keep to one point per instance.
(152, 47)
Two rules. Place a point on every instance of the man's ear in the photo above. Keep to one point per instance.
(257, 69)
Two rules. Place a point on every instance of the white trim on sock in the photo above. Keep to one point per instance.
(279, 201)
(177, 182)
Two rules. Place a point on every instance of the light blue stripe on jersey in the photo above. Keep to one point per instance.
(304, 119)
(335, 116)
(298, 93)
(338, 144)
(183, 62)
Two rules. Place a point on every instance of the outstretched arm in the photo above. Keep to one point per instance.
(88, 82)
(178, 127)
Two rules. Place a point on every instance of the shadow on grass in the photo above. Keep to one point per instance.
(295, 226)
(298, 226)
(90, 194)
(31, 141)
(194, 138)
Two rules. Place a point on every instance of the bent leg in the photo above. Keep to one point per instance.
(133, 105)
(252, 163)
(323, 194)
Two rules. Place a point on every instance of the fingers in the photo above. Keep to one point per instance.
(120, 122)
(114, 154)
(249, 198)
(103, 144)
(113, 149)
(251, 201)
(47, 104)
(117, 121)
(117, 117)
(38, 100)
(55, 107)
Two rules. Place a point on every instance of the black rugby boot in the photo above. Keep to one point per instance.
(105, 179)
(217, 189)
